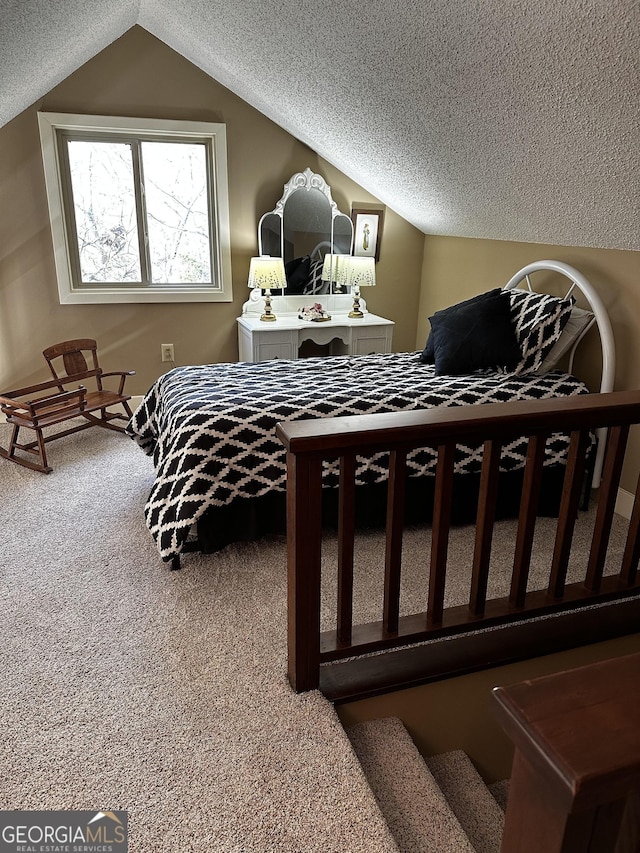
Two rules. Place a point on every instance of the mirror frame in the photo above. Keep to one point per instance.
(306, 180)
(290, 305)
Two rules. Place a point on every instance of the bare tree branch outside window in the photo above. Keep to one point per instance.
(107, 211)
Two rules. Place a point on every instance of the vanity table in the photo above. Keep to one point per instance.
(304, 226)
(344, 335)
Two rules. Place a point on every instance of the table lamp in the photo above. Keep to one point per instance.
(360, 272)
(334, 269)
(268, 274)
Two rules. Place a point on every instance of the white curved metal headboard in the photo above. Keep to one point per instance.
(602, 322)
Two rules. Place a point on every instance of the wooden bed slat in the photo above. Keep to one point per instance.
(440, 531)
(527, 519)
(612, 470)
(395, 528)
(304, 551)
(346, 538)
(484, 526)
(568, 512)
(629, 571)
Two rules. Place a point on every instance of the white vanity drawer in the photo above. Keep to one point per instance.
(368, 339)
(342, 335)
(273, 349)
(368, 346)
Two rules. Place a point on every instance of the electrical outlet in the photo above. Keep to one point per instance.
(167, 353)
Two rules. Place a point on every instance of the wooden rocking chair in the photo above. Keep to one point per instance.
(55, 402)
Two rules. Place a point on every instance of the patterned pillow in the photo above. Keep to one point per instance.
(315, 284)
(297, 272)
(538, 321)
(579, 321)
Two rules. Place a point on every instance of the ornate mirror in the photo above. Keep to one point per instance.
(304, 226)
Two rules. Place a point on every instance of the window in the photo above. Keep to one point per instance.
(139, 209)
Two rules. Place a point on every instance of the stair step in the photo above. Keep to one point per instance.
(500, 792)
(469, 798)
(413, 805)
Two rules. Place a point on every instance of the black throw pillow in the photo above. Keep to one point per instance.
(427, 356)
(476, 334)
(297, 272)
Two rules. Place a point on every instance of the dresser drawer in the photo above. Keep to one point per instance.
(266, 351)
(368, 346)
(369, 339)
(341, 335)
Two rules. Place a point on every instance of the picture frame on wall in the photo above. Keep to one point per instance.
(367, 231)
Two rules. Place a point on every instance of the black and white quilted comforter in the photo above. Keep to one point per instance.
(211, 429)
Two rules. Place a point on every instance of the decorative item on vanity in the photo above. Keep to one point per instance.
(268, 274)
(361, 272)
(314, 313)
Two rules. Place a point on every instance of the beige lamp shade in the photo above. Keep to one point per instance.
(267, 273)
(349, 271)
(352, 272)
(361, 272)
(335, 268)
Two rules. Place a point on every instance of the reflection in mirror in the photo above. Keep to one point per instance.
(304, 226)
(271, 235)
(342, 234)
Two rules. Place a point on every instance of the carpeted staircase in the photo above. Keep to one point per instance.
(437, 805)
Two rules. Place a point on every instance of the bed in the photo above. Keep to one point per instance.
(220, 470)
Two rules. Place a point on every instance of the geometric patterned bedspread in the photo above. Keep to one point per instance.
(211, 428)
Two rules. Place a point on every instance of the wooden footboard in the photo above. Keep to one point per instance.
(310, 443)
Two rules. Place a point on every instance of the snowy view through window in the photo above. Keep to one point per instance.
(172, 210)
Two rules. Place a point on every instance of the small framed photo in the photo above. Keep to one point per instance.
(367, 231)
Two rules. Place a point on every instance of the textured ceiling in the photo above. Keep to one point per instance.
(504, 119)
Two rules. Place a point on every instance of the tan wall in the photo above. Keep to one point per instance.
(456, 268)
(140, 76)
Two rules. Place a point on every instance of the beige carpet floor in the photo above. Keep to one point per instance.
(128, 686)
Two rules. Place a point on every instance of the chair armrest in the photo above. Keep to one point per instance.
(10, 396)
(123, 377)
(53, 407)
(10, 403)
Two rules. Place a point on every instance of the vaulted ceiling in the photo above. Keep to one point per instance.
(503, 119)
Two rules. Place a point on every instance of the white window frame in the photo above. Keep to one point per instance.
(219, 290)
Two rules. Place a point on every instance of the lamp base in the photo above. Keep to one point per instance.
(356, 311)
(268, 313)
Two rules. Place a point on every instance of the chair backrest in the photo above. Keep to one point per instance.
(69, 360)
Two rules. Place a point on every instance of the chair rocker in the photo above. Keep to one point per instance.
(56, 402)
